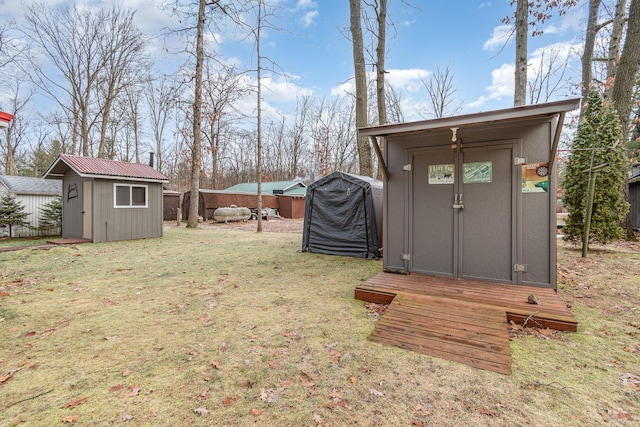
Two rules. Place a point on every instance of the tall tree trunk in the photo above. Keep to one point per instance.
(10, 167)
(614, 48)
(259, 126)
(380, 67)
(522, 32)
(192, 222)
(624, 83)
(364, 147)
(589, 44)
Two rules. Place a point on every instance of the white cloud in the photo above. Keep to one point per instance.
(306, 4)
(499, 37)
(402, 80)
(308, 18)
(502, 84)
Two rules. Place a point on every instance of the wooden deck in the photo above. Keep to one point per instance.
(459, 320)
(68, 241)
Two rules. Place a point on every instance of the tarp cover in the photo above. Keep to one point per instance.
(343, 216)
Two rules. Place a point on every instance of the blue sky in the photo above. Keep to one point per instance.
(312, 49)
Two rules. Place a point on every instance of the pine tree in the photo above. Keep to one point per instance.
(597, 142)
(12, 213)
(50, 218)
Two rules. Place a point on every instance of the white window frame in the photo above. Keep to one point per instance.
(130, 205)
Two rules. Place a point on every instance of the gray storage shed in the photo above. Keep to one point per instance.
(106, 200)
(473, 196)
(343, 216)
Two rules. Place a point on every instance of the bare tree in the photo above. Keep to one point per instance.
(547, 76)
(539, 12)
(71, 40)
(442, 93)
(617, 30)
(364, 147)
(123, 52)
(160, 100)
(223, 88)
(14, 134)
(522, 31)
(587, 55)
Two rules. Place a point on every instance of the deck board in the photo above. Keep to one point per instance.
(457, 319)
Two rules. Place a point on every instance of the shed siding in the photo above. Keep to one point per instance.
(32, 205)
(634, 198)
(537, 210)
(72, 206)
(125, 223)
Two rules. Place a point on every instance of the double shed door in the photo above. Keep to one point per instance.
(463, 212)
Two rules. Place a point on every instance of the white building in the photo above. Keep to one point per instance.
(32, 193)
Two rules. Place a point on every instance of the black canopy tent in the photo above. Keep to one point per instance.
(343, 216)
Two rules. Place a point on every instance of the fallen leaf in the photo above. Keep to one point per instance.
(305, 380)
(204, 394)
(273, 364)
(70, 419)
(287, 384)
(75, 402)
(126, 372)
(186, 421)
(292, 335)
(201, 411)
(256, 412)
(116, 388)
(246, 384)
(353, 380)
(127, 417)
(228, 401)
(6, 378)
(28, 334)
(317, 418)
(5, 294)
(215, 364)
(222, 346)
(375, 392)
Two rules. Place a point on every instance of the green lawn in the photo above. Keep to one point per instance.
(224, 327)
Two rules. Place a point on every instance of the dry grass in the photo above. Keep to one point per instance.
(226, 327)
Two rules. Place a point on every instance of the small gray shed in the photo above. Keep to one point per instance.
(106, 200)
(343, 216)
(473, 196)
(33, 194)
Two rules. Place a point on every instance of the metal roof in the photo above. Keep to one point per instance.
(29, 185)
(526, 112)
(92, 167)
(286, 187)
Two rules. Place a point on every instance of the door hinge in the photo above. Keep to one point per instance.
(520, 267)
(407, 167)
(405, 257)
(519, 161)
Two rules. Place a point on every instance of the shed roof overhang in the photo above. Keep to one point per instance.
(63, 163)
(505, 116)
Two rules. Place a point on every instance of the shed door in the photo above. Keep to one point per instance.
(486, 238)
(462, 213)
(87, 210)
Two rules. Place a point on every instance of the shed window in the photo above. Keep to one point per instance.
(130, 196)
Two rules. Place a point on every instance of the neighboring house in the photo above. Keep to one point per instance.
(105, 200)
(32, 193)
(634, 195)
(473, 196)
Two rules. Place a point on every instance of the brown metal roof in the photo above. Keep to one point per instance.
(102, 168)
